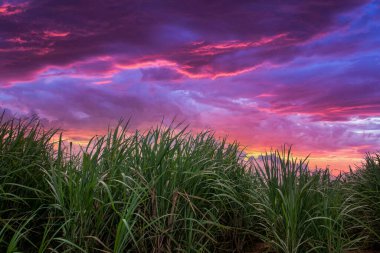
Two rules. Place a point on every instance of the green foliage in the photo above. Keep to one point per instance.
(364, 184)
(168, 190)
(300, 210)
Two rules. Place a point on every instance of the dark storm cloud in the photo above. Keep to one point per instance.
(38, 34)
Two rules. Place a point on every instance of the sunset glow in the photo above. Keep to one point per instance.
(264, 73)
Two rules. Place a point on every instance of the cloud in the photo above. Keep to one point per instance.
(10, 8)
(200, 44)
(263, 72)
(74, 103)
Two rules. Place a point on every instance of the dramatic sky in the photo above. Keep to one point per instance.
(263, 72)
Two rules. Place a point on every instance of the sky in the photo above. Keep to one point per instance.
(265, 72)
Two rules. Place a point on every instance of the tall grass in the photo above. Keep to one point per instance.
(25, 148)
(157, 191)
(168, 190)
(365, 189)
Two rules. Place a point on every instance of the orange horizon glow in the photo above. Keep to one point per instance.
(295, 78)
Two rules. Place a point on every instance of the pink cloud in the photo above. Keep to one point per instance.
(17, 40)
(210, 49)
(102, 82)
(54, 34)
(8, 9)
